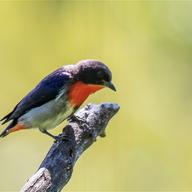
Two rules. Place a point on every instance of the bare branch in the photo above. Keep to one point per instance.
(82, 130)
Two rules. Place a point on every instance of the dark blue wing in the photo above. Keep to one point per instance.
(44, 92)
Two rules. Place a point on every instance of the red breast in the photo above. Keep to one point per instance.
(79, 92)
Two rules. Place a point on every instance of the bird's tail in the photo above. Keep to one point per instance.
(7, 130)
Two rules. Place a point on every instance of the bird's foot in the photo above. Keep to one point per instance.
(56, 138)
(61, 138)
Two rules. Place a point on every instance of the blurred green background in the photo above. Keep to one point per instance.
(147, 45)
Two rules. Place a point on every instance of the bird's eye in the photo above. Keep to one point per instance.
(100, 74)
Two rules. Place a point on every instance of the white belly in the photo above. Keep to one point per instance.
(47, 116)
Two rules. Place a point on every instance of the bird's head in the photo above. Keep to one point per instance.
(89, 76)
(94, 73)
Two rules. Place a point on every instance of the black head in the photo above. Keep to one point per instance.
(94, 72)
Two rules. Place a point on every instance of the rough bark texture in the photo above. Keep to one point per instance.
(82, 130)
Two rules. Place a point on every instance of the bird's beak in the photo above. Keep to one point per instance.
(109, 85)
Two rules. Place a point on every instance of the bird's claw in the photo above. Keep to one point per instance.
(61, 138)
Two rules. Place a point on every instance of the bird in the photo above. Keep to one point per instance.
(58, 96)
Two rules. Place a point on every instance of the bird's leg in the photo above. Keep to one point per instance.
(57, 138)
(47, 133)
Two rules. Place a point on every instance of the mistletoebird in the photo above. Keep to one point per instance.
(58, 96)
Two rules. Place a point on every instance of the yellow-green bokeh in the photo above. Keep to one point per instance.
(147, 45)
